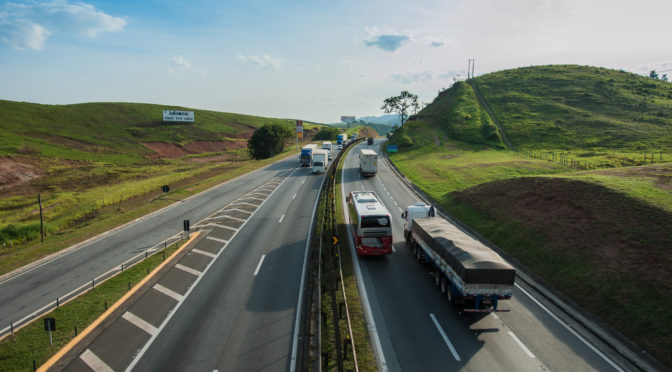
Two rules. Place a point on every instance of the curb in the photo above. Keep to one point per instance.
(595, 326)
(75, 347)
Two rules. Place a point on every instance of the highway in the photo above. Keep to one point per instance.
(30, 290)
(419, 331)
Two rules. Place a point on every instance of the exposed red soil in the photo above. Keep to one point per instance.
(13, 170)
(367, 132)
(578, 218)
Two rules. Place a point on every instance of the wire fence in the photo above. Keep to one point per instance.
(575, 162)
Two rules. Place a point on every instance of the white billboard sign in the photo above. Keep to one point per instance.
(348, 119)
(174, 115)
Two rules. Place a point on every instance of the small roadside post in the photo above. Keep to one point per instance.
(50, 325)
(186, 227)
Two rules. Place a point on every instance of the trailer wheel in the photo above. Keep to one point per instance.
(418, 254)
(437, 276)
(449, 295)
(444, 286)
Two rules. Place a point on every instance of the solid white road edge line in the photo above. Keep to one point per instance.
(295, 341)
(142, 351)
(281, 218)
(521, 344)
(445, 338)
(616, 367)
(368, 313)
(261, 261)
(94, 362)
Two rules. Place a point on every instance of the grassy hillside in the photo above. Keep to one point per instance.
(599, 234)
(86, 158)
(578, 107)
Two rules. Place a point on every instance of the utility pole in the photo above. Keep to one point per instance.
(39, 201)
(470, 68)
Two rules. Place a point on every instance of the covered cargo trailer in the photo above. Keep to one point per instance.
(465, 269)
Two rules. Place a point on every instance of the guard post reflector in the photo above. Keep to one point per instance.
(186, 225)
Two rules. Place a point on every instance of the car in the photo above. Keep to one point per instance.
(329, 155)
(339, 147)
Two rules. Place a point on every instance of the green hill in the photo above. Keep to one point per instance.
(575, 183)
(84, 158)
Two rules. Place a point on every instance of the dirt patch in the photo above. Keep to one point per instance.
(662, 173)
(367, 132)
(199, 147)
(14, 171)
(617, 233)
(165, 150)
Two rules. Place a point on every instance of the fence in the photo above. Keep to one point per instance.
(644, 158)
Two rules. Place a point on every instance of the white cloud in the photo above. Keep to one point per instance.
(180, 63)
(391, 41)
(423, 76)
(264, 61)
(28, 25)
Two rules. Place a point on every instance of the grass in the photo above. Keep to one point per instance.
(365, 355)
(586, 203)
(102, 209)
(31, 345)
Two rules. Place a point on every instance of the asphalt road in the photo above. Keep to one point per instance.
(241, 315)
(419, 331)
(33, 289)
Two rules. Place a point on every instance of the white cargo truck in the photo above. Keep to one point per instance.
(320, 161)
(368, 162)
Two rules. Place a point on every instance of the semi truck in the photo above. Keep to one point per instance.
(369, 141)
(368, 162)
(306, 156)
(467, 272)
(320, 161)
(341, 138)
(326, 145)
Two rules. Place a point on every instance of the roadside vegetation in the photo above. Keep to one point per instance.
(99, 165)
(585, 203)
(31, 343)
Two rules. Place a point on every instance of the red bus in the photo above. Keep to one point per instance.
(371, 223)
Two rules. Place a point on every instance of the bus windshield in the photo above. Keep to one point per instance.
(375, 221)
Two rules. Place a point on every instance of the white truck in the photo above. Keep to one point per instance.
(467, 272)
(320, 161)
(326, 145)
(368, 162)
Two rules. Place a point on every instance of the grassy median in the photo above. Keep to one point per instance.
(30, 346)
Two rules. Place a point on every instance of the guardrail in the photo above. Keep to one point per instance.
(58, 301)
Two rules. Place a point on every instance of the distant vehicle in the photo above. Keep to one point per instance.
(353, 137)
(320, 161)
(339, 147)
(326, 145)
(467, 272)
(340, 138)
(368, 162)
(371, 223)
(306, 157)
(369, 140)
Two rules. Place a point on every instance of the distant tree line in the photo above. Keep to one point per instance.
(654, 75)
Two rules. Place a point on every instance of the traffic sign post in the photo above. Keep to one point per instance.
(50, 325)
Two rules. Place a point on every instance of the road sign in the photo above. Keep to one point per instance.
(392, 148)
(186, 225)
(49, 324)
(299, 126)
(334, 239)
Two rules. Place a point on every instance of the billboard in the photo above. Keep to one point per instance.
(348, 119)
(174, 115)
(299, 126)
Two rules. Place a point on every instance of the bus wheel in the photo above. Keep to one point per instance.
(444, 285)
(437, 276)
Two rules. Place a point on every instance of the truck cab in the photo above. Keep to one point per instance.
(415, 211)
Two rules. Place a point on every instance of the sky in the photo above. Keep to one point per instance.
(314, 60)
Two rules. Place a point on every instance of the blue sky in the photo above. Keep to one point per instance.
(313, 60)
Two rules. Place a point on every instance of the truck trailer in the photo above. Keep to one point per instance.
(467, 272)
(320, 161)
(368, 162)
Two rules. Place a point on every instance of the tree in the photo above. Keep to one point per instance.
(664, 78)
(653, 74)
(268, 141)
(401, 104)
(327, 133)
